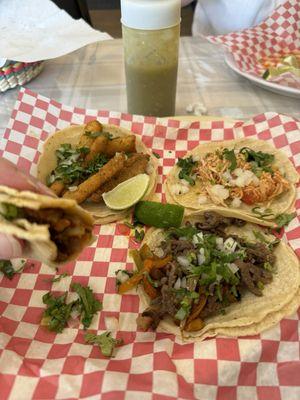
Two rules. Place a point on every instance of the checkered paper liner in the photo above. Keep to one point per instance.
(280, 33)
(38, 364)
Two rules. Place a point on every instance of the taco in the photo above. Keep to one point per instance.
(83, 162)
(54, 230)
(248, 176)
(213, 275)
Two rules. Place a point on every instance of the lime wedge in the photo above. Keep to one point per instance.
(127, 193)
(159, 215)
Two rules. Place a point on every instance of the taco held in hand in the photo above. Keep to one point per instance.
(84, 162)
(244, 175)
(213, 275)
(55, 230)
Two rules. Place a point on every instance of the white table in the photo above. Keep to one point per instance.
(94, 77)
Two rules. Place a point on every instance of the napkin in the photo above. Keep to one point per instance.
(279, 33)
(35, 30)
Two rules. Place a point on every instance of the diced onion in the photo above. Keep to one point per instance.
(219, 243)
(229, 245)
(72, 188)
(233, 267)
(236, 202)
(177, 189)
(200, 258)
(183, 261)
(183, 282)
(202, 199)
(197, 238)
(122, 276)
(177, 284)
(220, 191)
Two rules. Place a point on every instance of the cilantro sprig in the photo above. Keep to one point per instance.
(88, 305)
(8, 270)
(259, 160)
(187, 165)
(105, 342)
(230, 156)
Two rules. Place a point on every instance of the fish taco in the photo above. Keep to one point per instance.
(247, 176)
(54, 230)
(84, 162)
(213, 275)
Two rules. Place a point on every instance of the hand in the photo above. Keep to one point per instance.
(11, 176)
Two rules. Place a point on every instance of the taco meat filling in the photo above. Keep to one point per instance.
(201, 270)
(67, 231)
(96, 165)
(231, 177)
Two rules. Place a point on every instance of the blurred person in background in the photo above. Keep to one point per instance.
(217, 17)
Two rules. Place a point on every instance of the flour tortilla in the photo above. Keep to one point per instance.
(48, 161)
(253, 314)
(38, 243)
(279, 205)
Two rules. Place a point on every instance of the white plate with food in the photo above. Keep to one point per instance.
(259, 81)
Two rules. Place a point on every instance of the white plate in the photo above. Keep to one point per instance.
(273, 87)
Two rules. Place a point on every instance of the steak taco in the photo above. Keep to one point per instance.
(213, 275)
(84, 162)
(54, 230)
(244, 175)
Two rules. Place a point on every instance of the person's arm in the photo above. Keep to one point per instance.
(11, 176)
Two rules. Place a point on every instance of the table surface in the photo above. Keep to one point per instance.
(93, 77)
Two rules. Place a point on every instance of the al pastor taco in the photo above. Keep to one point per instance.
(84, 162)
(247, 176)
(213, 275)
(54, 230)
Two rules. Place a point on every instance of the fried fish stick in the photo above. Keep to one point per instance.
(137, 164)
(99, 145)
(57, 187)
(92, 127)
(125, 144)
(89, 186)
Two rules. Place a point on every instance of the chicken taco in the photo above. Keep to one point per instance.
(54, 230)
(213, 275)
(244, 175)
(84, 162)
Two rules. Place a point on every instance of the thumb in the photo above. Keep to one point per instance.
(10, 247)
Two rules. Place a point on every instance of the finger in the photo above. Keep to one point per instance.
(12, 177)
(10, 247)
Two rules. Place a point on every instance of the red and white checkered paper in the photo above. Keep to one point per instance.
(279, 33)
(38, 364)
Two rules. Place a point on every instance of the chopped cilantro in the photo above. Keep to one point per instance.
(57, 313)
(70, 168)
(284, 219)
(94, 135)
(230, 156)
(259, 160)
(88, 305)
(187, 165)
(105, 342)
(139, 235)
(8, 270)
